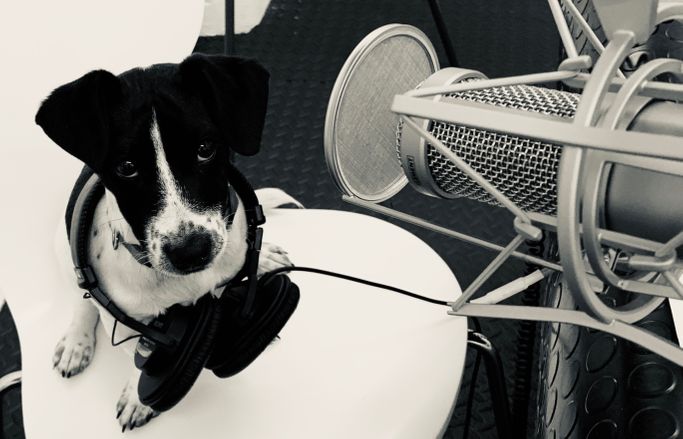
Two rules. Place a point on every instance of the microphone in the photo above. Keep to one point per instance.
(601, 169)
(363, 137)
(526, 170)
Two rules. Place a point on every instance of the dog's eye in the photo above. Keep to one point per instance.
(126, 169)
(205, 152)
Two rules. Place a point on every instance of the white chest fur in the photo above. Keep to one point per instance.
(142, 292)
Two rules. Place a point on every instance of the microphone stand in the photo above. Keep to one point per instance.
(652, 151)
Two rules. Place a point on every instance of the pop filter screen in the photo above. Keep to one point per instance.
(360, 140)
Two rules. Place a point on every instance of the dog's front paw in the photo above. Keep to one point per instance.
(73, 353)
(131, 412)
(272, 257)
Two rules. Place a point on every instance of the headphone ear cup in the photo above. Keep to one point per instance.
(238, 344)
(165, 390)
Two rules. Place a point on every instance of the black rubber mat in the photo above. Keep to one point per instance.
(11, 423)
(597, 386)
(304, 44)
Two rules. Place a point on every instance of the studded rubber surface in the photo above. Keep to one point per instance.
(11, 421)
(597, 386)
(666, 40)
(583, 46)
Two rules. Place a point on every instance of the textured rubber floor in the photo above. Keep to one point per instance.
(583, 46)
(12, 426)
(597, 386)
(666, 40)
(11, 422)
(592, 384)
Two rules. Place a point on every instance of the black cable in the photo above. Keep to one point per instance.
(475, 321)
(442, 28)
(113, 331)
(229, 36)
(475, 370)
(523, 373)
(470, 397)
(473, 381)
(477, 325)
(266, 278)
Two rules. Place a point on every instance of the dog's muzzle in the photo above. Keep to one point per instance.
(187, 253)
(190, 253)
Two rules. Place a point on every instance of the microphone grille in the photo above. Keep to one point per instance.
(523, 97)
(523, 169)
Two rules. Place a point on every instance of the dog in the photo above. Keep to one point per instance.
(160, 139)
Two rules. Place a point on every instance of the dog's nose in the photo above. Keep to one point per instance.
(191, 253)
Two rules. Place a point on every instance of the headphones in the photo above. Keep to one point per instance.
(224, 335)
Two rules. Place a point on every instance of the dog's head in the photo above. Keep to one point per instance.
(161, 139)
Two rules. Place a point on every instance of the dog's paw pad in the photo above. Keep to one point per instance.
(73, 353)
(130, 412)
(272, 257)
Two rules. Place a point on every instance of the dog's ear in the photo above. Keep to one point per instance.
(77, 115)
(235, 92)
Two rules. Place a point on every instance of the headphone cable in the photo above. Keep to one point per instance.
(475, 321)
(266, 278)
(113, 334)
(473, 381)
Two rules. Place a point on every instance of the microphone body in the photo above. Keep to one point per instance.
(635, 201)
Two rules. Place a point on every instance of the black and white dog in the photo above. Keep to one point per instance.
(160, 139)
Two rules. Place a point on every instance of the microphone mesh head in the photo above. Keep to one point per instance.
(359, 125)
(525, 170)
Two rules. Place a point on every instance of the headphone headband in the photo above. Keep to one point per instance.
(79, 238)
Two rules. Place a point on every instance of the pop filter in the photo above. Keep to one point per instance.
(360, 126)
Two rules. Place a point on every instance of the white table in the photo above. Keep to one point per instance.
(353, 361)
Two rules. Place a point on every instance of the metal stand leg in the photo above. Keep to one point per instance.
(494, 373)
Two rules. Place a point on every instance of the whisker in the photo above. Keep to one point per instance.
(144, 258)
(230, 217)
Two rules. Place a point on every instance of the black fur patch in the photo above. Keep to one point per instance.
(105, 120)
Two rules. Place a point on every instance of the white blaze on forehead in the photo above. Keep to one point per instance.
(168, 183)
(177, 216)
